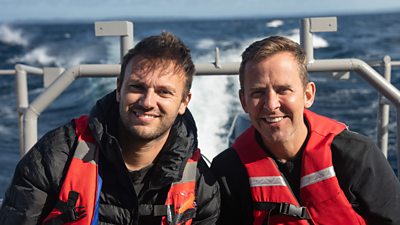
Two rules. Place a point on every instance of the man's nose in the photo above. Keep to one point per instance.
(271, 101)
(148, 99)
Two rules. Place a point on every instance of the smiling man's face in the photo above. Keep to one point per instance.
(150, 98)
(275, 97)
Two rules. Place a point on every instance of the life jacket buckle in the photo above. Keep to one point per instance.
(292, 210)
(69, 211)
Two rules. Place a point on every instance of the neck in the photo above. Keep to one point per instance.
(288, 150)
(138, 153)
(285, 152)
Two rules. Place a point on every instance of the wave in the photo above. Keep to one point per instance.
(12, 36)
(8, 111)
(43, 56)
(210, 114)
(231, 50)
(38, 55)
(4, 130)
(274, 23)
(206, 43)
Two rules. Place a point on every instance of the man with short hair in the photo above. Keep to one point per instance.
(293, 166)
(133, 160)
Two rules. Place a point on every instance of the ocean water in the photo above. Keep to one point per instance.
(215, 100)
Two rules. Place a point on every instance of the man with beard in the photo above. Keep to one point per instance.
(293, 166)
(133, 160)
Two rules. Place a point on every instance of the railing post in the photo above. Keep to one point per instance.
(22, 100)
(127, 40)
(124, 29)
(383, 112)
(37, 106)
(22, 103)
(306, 39)
(309, 26)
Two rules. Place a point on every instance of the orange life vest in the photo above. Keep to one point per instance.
(321, 199)
(79, 196)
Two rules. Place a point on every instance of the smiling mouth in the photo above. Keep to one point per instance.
(137, 114)
(273, 119)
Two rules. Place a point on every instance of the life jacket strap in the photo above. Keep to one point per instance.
(168, 211)
(69, 211)
(283, 208)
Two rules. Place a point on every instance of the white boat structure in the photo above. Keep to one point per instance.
(56, 79)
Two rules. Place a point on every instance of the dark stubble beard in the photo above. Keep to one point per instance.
(140, 136)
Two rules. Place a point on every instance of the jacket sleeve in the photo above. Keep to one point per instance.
(207, 196)
(367, 179)
(34, 187)
(236, 204)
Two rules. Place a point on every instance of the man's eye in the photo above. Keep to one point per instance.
(257, 94)
(136, 87)
(164, 92)
(283, 91)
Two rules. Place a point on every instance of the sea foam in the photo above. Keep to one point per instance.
(38, 55)
(12, 36)
(274, 23)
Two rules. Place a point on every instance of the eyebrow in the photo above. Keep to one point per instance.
(256, 87)
(140, 82)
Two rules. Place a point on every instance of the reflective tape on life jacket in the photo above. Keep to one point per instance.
(318, 176)
(80, 191)
(180, 205)
(323, 202)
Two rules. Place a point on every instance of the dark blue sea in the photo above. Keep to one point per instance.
(215, 100)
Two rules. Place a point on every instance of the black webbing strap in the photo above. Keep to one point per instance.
(283, 208)
(168, 211)
(68, 209)
(181, 218)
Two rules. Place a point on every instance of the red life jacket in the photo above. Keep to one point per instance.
(322, 200)
(81, 187)
(79, 196)
(180, 203)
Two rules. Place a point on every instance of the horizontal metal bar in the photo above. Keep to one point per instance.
(113, 28)
(111, 70)
(29, 69)
(222, 69)
(232, 68)
(8, 72)
(99, 70)
(395, 63)
(363, 69)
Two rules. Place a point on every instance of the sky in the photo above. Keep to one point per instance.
(50, 10)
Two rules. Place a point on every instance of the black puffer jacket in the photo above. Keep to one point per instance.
(38, 176)
(361, 169)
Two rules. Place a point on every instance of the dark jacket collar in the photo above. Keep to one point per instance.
(172, 159)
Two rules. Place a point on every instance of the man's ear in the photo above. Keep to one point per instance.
(309, 95)
(242, 99)
(184, 103)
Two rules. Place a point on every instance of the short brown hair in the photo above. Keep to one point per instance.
(163, 47)
(270, 46)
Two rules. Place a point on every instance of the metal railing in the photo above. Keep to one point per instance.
(383, 86)
(56, 80)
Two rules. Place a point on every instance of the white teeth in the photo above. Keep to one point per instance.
(274, 119)
(148, 116)
(144, 115)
